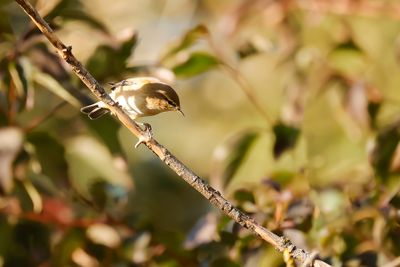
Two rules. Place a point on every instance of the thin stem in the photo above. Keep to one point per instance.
(248, 90)
(280, 243)
(238, 77)
(42, 119)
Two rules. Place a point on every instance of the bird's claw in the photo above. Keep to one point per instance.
(147, 136)
(118, 105)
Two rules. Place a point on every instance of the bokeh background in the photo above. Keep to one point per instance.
(292, 111)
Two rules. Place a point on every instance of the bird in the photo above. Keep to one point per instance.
(138, 97)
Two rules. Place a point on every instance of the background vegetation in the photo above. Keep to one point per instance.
(292, 111)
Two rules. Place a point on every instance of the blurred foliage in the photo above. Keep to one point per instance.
(322, 169)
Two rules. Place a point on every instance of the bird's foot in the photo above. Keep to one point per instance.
(117, 104)
(147, 136)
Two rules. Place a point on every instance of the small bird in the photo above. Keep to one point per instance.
(138, 97)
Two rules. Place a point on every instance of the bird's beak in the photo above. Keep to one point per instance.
(180, 111)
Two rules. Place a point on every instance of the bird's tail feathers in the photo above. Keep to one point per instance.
(94, 111)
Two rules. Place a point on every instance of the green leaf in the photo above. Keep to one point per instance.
(29, 240)
(73, 238)
(283, 177)
(107, 130)
(229, 156)
(348, 59)
(331, 202)
(55, 87)
(47, 147)
(285, 138)
(373, 110)
(73, 10)
(224, 262)
(109, 60)
(189, 39)
(196, 63)
(385, 147)
(89, 163)
(17, 78)
(104, 62)
(244, 195)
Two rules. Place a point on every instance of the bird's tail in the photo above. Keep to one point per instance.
(94, 111)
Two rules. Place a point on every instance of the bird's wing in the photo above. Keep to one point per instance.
(128, 85)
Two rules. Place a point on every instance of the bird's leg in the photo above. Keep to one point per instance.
(117, 84)
(147, 136)
(116, 104)
(119, 105)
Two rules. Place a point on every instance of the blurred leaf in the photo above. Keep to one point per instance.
(6, 233)
(357, 103)
(196, 63)
(74, 10)
(27, 69)
(140, 248)
(55, 87)
(385, 146)
(244, 195)
(71, 240)
(373, 111)
(348, 59)
(286, 137)
(5, 2)
(395, 201)
(98, 194)
(203, 231)
(18, 79)
(301, 213)
(228, 238)
(107, 130)
(34, 196)
(51, 155)
(224, 262)
(331, 203)
(89, 161)
(5, 47)
(247, 49)
(104, 61)
(229, 156)
(83, 257)
(104, 235)
(280, 178)
(11, 141)
(189, 39)
(349, 45)
(110, 60)
(128, 44)
(32, 242)
(169, 263)
(48, 62)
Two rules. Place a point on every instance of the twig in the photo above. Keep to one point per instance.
(280, 243)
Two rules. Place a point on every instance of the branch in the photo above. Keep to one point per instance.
(280, 243)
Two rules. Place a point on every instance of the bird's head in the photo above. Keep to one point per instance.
(161, 97)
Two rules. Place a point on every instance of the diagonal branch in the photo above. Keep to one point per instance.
(280, 243)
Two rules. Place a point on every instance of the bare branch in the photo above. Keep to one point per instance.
(280, 243)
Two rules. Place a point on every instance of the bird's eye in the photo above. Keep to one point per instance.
(171, 103)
